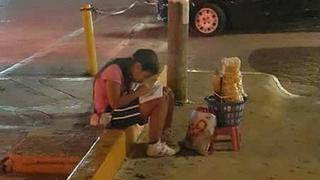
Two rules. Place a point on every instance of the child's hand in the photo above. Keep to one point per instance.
(95, 120)
(142, 90)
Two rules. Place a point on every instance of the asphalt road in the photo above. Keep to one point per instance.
(28, 27)
(33, 28)
(287, 49)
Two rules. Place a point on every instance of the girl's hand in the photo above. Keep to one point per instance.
(142, 90)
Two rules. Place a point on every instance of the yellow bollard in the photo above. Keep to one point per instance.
(86, 13)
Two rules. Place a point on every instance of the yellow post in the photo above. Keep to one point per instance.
(86, 13)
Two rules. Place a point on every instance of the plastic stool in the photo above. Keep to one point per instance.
(202, 109)
(233, 132)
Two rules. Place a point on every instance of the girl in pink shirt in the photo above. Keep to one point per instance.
(112, 93)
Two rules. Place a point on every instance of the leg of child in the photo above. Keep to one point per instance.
(168, 94)
(157, 110)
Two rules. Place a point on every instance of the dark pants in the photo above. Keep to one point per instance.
(126, 116)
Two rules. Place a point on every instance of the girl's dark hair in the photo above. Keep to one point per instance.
(148, 60)
(146, 57)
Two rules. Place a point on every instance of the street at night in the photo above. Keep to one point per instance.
(46, 93)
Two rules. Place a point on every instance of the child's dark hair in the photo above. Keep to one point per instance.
(146, 57)
(148, 60)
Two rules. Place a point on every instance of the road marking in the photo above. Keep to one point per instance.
(83, 159)
(75, 33)
(9, 108)
(10, 127)
(4, 21)
(45, 50)
(49, 78)
(136, 28)
(41, 53)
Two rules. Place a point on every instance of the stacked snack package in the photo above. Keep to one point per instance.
(231, 88)
(231, 78)
(216, 83)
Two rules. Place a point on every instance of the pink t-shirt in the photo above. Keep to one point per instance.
(100, 98)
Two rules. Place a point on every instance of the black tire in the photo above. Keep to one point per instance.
(209, 27)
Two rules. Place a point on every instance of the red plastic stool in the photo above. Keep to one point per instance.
(202, 109)
(233, 132)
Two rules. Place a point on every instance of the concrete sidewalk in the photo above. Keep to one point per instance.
(280, 138)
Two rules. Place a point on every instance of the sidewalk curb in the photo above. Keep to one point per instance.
(276, 81)
(105, 156)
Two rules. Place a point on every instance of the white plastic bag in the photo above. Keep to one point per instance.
(200, 131)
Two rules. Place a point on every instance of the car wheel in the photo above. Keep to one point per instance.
(209, 19)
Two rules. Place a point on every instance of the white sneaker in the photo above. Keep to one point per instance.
(160, 149)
